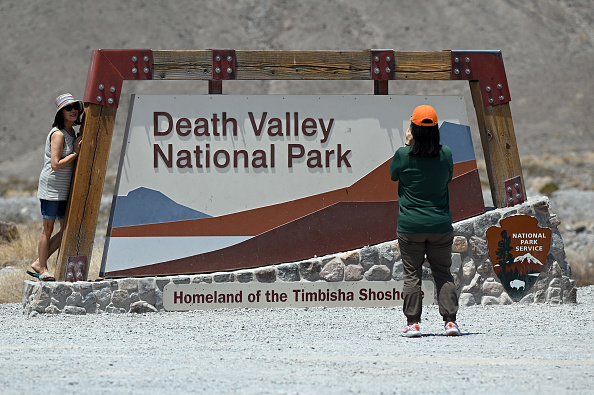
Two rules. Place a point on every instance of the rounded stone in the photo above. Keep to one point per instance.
(75, 299)
(468, 270)
(121, 299)
(378, 273)
(353, 273)
(466, 299)
(142, 307)
(223, 277)
(369, 257)
(266, 275)
(74, 310)
(310, 270)
(492, 288)
(333, 271)
(288, 272)
(489, 300)
(351, 258)
(460, 244)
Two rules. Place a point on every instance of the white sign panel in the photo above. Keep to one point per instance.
(219, 182)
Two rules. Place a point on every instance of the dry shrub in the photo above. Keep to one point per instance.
(21, 253)
(582, 266)
(11, 286)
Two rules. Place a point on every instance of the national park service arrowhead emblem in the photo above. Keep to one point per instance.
(518, 249)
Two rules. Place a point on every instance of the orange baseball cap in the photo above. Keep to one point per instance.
(424, 115)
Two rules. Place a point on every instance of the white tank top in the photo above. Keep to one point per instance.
(55, 185)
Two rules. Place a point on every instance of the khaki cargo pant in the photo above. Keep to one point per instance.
(438, 249)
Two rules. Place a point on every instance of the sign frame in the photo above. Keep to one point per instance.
(109, 68)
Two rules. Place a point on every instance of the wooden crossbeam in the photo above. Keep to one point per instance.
(300, 65)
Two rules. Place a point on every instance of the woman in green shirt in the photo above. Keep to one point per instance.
(423, 169)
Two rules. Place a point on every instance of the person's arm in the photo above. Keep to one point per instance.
(57, 146)
(394, 173)
(450, 164)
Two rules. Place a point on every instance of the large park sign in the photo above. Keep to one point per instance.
(110, 68)
(212, 182)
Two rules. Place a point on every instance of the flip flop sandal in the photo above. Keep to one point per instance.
(46, 277)
(33, 274)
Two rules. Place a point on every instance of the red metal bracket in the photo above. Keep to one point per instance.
(513, 191)
(76, 268)
(382, 64)
(486, 67)
(223, 64)
(110, 67)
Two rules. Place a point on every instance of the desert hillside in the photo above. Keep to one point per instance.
(547, 46)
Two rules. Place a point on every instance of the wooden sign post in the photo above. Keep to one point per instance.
(109, 68)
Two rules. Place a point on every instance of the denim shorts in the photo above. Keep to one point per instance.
(53, 209)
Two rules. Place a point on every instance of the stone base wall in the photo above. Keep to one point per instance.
(471, 268)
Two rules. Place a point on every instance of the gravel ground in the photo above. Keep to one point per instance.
(523, 349)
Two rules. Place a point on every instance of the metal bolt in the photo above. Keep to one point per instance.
(218, 58)
(376, 58)
(146, 58)
(517, 186)
(146, 70)
(518, 196)
(101, 87)
(388, 69)
(456, 60)
(511, 199)
(491, 100)
(502, 98)
(134, 58)
(110, 100)
(229, 58)
(218, 70)
(467, 60)
(112, 89)
(376, 70)
(509, 189)
(229, 70)
(99, 98)
(134, 70)
(388, 58)
(488, 89)
(499, 86)
(456, 71)
(467, 71)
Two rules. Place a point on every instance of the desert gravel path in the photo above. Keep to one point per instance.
(521, 349)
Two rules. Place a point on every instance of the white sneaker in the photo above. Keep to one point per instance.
(412, 330)
(451, 329)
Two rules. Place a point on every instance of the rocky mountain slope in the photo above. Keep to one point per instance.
(547, 46)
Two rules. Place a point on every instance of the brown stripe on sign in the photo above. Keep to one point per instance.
(466, 196)
(376, 186)
(340, 227)
(461, 168)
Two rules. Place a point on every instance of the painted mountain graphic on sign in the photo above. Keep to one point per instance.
(527, 263)
(523, 264)
(144, 206)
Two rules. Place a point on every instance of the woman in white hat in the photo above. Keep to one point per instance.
(61, 149)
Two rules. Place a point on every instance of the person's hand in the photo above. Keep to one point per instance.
(77, 144)
(409, 137)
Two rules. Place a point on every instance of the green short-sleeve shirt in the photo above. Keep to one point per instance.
(423, 199)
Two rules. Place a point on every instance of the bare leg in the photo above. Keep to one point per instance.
(54, 243)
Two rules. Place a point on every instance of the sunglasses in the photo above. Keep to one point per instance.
(71, 107)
